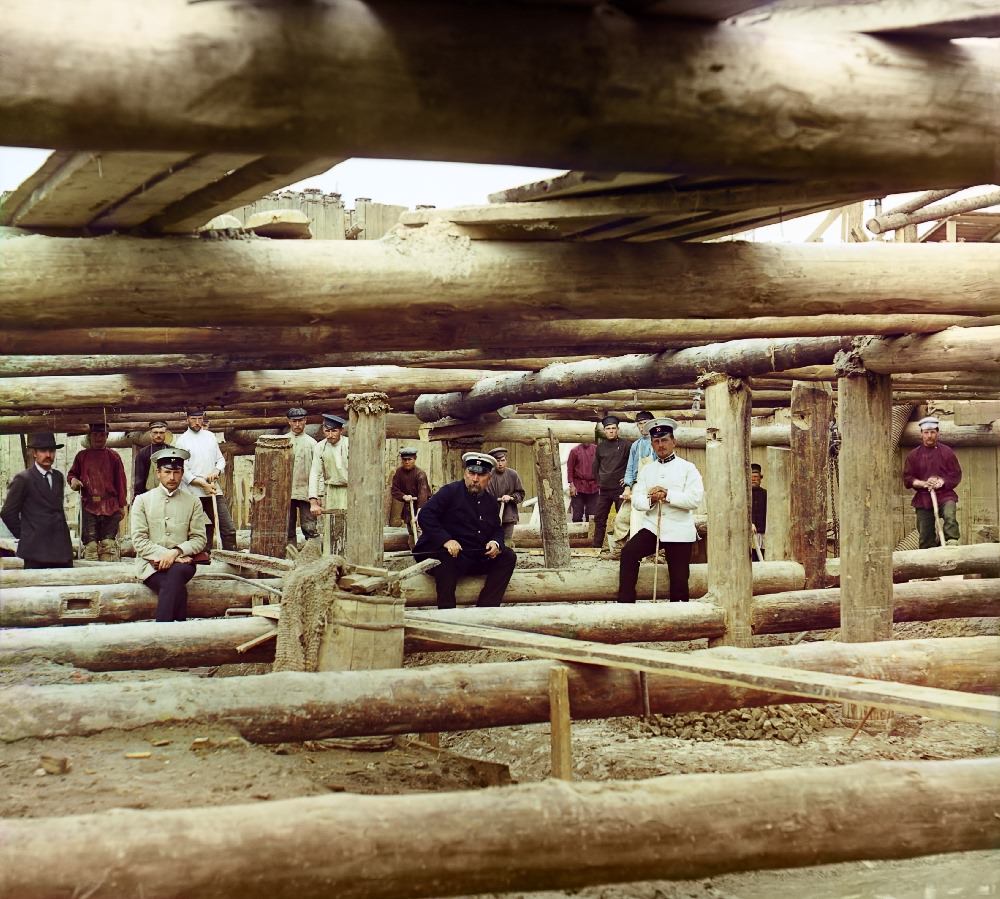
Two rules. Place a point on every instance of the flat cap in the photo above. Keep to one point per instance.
(610, 420)
(645, 416)
(498, 451)
(98, 427)
(479, 463)
(408, 452)
(333, 421)
(296, 412)
(194, 411)
(929, 423)
(157, 424)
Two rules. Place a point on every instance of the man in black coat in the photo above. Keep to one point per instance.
(33, 509)
(460, 527)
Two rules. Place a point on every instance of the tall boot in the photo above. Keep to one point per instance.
(90, 551)
(108, 550)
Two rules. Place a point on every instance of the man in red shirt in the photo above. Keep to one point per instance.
(933, 466)
(99, 475)
(583, 489)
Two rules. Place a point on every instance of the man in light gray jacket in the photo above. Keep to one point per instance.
(168, 531)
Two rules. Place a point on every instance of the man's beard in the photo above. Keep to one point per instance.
(473, 488)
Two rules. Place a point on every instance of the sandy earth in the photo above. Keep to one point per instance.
(188, 767)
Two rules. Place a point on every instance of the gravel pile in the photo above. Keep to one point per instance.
(790, 723)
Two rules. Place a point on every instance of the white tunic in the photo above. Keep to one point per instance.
(206, 458)
(685, 491)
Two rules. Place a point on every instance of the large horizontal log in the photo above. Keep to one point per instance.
(643, 335)
(42, 606)
(429, 275)
(283, 707)
(434, 90)
(595, 581)
(738, 358)
(957, 349)
(562, 835)
(84, 572)
(894, 221)
(978, 558)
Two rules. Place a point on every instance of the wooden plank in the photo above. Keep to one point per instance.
(254, 562)
(560, 723)
(947, 705)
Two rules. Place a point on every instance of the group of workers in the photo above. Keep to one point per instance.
(467, 525)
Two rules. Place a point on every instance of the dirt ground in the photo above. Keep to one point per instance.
(174, 767)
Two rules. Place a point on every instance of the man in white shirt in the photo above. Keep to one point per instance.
(201, 474)
(666, 493)
(302, 455)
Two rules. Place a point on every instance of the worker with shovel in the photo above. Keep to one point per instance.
(932, 470)
(411, 488)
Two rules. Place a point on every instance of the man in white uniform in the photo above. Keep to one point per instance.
(201, 475)
(666, 492)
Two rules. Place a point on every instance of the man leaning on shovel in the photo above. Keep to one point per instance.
(932, 470)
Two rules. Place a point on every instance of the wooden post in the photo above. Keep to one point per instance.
(559, 718)
(365, 478)
(812, 405)
(866, 490)
(551, 508)
(727, 496)
(271, 496)
(778, 470)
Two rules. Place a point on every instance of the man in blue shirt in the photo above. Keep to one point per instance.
(460, 527)
(639, 454)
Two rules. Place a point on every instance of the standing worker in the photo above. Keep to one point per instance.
(143, 471)
(610, 462)
(98, 475)
(582, 486)
(303, 447)
(505, 486)
(411, 488)
(202, 471)
(932, 470)
(758, 509)
(639, 455)
(328, 475)
(33, 509)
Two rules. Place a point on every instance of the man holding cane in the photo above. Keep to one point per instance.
(932, 470)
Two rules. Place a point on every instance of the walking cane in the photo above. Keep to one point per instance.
(937, 520)
(216, 539)
(756, 546)
(656, 555)
(413, 522)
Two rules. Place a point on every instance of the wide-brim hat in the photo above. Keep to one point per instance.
(44, 440)
(170, 454)
(662, 427)
(478, 463)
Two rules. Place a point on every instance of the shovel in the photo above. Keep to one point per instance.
(937, 518)
(413, 522)
(216, 537)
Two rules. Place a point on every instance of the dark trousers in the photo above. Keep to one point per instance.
(644, 544)
(171, 588)
(227, 530)
(34, 563)
(299, 508)
(583, 505)
(100, 527)
(497, 571)
(508, 532)
(948, 513)
(607, 498)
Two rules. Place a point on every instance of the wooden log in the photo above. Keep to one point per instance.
(551, 504)
(739, 358)
(365, 478)
(41, 606)
(85, 573)
(894, 221)
(727, 498)
(949, 87)
(271, 495)
(596, 581)
(812, 406)
(140, 645)
(289, 706)
(979, 558)
(655, 334)
(588, 834)
(778, 539)
(401, 280)
(864, 412)
(957, 349)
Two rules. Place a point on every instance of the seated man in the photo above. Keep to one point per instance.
(460, 527)
(168, 530)
(666, 494)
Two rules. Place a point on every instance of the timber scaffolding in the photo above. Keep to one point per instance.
(719, 334)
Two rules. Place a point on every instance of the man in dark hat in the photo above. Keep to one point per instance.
(758, 509)
(665, 496)
(610, 463)
(328, 476)
(411, 488)
(461, 529)
(303, 447)
(99, 476)
(33, 509)
(202, 471)
(506, 487)
(168, 531)
(639, 455)
(143, 473)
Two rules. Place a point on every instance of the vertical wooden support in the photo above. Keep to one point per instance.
(271, 495)
(229, 486)
(727, 498)
(864, 407)
(951, 231)
(551, 508)
(562, 749)
(812, 408)
(365, 480)
(778, 473)
(909, 234)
